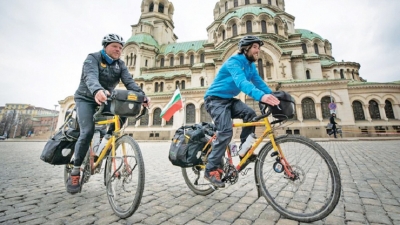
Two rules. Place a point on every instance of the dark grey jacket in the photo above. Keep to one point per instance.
(98, 75)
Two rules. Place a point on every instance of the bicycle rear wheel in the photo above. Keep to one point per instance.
(125, 176)
(314, 192)
(194, 178)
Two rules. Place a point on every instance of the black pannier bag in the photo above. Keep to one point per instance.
(60, 148)
(188, 143)
(124, 103)
(285, 110)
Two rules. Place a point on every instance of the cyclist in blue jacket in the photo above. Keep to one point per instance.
(237, 74)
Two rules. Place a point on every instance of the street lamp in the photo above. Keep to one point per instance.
(52, 121)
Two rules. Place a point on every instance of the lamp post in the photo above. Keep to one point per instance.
(52, 121)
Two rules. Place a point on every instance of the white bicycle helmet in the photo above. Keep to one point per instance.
(112, 38)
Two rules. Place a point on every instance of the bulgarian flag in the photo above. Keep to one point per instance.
(174, 105)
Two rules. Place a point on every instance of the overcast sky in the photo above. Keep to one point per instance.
(44, 42)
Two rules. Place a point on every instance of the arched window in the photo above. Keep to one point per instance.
(177, 84)
(160, 8)
(263, 26)
(235, 3)
(269, 2)
(156, 117)
(304, 47)
(162, 62)
(141, 86)
(226, 6)
(374, 110)
(202, 82)
(204, 116)
(182, 84)
(268, 68)
(352, 74)
(151, 7)
(145, 63)
(234, 30)
(308, 108)
(389, 110)
(170, 122)
(316, 48)
(277, 3)
(161, 86)
(181, 60)
(171, 61)
(341, 74)
(326, 112)
(127, 60)
(246, 2)
(190, 113)
(223, 35)
(249, 27)
(259, 1)
(131, 59)
(156, 87)
(260, 68)
(308, 76)
(134, 60)
(191, 60)
(144, 120)
(202, 58)
(276, 28)
(358, 111)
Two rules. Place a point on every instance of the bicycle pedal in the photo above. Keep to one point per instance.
(213, 187)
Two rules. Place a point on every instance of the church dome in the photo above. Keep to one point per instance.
(143, 38)
(308, 34)
(248, 10)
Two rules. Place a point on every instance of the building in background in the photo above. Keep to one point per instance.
(24, 120)
(295, 60)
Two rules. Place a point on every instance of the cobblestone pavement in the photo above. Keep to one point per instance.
(32, 192)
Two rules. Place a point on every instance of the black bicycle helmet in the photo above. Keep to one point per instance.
(248, 40)
(112, 38)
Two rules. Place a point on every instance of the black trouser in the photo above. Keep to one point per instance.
(85, 111)
(333, 131)
(222, 112)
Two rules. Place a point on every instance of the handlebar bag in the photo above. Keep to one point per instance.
(285, 110)
(124, 103)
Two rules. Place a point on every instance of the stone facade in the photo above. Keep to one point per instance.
(295, 60)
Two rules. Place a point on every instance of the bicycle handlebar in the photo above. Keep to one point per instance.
(100, 110)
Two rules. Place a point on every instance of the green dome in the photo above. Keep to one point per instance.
(308, 34)
(248, 10)
(143, 39)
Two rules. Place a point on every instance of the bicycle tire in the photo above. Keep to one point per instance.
(125, 200)
(315, 194)
(194, 178)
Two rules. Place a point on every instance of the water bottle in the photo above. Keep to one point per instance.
(233, 148)
(96, 141)
(103, 143)
(247, 144)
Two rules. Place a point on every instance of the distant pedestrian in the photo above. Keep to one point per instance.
(332, 121)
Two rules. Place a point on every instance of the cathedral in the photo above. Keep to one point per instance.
(295, 60)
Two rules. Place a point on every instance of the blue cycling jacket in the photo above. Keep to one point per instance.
(238, 74)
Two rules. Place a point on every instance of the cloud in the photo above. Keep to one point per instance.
(44, 42)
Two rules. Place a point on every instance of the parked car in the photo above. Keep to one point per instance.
(2, 138)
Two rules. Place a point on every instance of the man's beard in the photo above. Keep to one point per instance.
(251, 58)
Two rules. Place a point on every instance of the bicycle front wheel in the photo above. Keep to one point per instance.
(314, 190)
(125, 177)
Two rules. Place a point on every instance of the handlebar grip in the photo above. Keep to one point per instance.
(96, 115)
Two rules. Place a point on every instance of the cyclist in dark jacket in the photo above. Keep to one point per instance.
(101, 73)
(332, 121)
(237, 74)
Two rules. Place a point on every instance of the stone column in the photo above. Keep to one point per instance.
(366, 112)
(299, 112)
(318, 111)
(382, 112)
